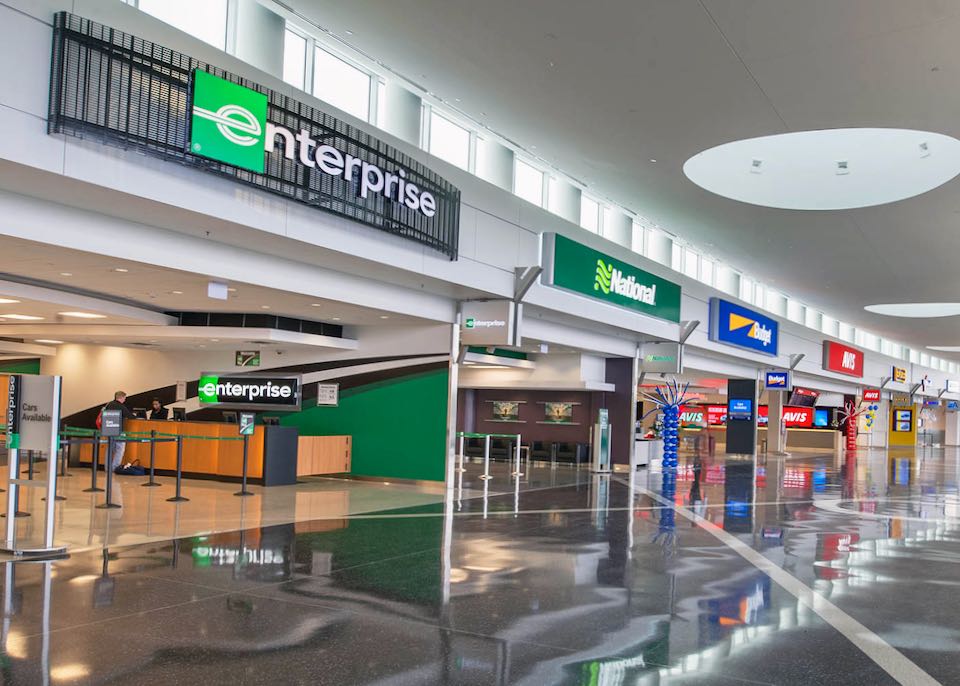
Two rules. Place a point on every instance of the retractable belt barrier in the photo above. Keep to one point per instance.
(486, 452)
(77, 436)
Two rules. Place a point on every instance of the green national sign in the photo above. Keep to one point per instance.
(578, 268)
(228, 122)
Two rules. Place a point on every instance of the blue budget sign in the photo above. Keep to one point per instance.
(739, 326)
(778, 381)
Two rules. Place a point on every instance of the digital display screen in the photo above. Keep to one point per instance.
(740, 408)
(903, 421)
(803, 397)
(821, 418)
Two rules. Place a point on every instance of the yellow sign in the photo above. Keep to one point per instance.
(899, 374)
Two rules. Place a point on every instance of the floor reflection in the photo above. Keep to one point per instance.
(594, 580)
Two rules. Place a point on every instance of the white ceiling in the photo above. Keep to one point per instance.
(601, 88)
(145, 291)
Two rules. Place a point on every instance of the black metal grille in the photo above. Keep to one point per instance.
(126, 91)
(258, 320)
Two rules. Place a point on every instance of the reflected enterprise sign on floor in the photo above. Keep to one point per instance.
(578, 268)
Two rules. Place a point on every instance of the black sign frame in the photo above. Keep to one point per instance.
(126, 91)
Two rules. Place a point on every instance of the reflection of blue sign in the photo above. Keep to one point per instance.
(778, 381)
(740, 408)
(742, 327)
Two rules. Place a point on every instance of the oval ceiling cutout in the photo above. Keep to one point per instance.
(833, 169)
(916, 310)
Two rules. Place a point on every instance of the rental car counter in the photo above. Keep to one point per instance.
(798, 437)
(277, 455)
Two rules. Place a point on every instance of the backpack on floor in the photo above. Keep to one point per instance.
(130, 469)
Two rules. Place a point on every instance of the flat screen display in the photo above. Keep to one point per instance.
(821, 418)
(903, 421)
(803, 397)
(740, 408)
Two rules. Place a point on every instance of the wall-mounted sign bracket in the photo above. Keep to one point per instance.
(524, 278)
(795, 360)
(884, 380)
(686, 329)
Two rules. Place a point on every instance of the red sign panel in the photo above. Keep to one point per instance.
(792, 416)
(691, 416)
(716, 415)
(871, 395)
(842, 359)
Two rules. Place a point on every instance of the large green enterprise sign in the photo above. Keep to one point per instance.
(583, 270)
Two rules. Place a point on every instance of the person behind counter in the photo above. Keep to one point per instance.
(119, 398)
(158, 411)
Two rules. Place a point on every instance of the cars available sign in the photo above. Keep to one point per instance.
(842, 359)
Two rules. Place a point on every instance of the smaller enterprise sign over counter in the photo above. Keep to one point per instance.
(280, 392)
(742, 327)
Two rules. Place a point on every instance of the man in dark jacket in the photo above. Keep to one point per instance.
(119, 398)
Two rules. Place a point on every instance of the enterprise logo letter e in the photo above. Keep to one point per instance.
(228, 122)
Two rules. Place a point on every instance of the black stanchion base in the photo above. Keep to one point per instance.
(244, 493)
(93, 490)
(150, 484)
(108, 506)
(56, 497)
(18, 514)
(178, 499)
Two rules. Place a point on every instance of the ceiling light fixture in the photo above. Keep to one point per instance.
(264, 307)
(384, 316)
(336, 319)
(48, 341)
(8, 301)
(120, 270)
(915, 310)
(315, 305)
(66, 273)
(21, 317)
(176, 292)
(83, 315)
(833, 169)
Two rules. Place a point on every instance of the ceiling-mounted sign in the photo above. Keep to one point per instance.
(488, 322)
(899, 375)
(204, 117)
(842, 359)
(871, 395)
(247, 358)
(275, 392)
(661, 358)
(952, 386)
(778, 381)
(582, 270)
(742, 327)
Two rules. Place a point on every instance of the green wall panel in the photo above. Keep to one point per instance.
(399, 426)
(20, 366)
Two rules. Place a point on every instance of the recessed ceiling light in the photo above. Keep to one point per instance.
(176, 292)
(121, 270)
(833, 169)
(348, 32)
(21, 317)
(315, 305)
(66, 273)
(49, 341)
(83, 315)
(383, 316)
(264, 307)
(653, 160)
(8, 301)
(915, 310)
(231, 290)
(336, 319)
(214, 340)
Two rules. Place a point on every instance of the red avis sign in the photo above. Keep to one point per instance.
(871, 395)
(692, 416)
(842, 359)
(793, 416)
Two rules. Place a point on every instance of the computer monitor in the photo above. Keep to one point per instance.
(230, 417)
(271, 421)
(179, 414)
(140, 412)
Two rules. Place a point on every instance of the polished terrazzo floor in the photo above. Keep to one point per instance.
(815, 569)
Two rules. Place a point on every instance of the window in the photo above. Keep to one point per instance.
(206, 20)
(759, 296)
(795, 311)
(746, 289)
(691, 263)
(706, 271)
(381, 105)
(846, 332)
(295, 59)
(639, 239)
(829, 325)
(924, 360)
(814, 319)
(528, 183)
(448, 141)
(676, 257)
(659, 247)
(589, 214)
(913, 356)
(341, 84)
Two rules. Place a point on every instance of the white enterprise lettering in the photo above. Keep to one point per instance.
(488, 323)
(335, 163)
(251, 391)
(631, 288)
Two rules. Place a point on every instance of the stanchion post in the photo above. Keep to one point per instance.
(461, 468)
(94, 460)
(517, 471)
(153, 454)
(486, 458)
(243, 479)
(29, 469)
(179, 498)
(108, 503)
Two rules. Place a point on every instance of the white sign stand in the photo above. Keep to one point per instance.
(35, 394)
